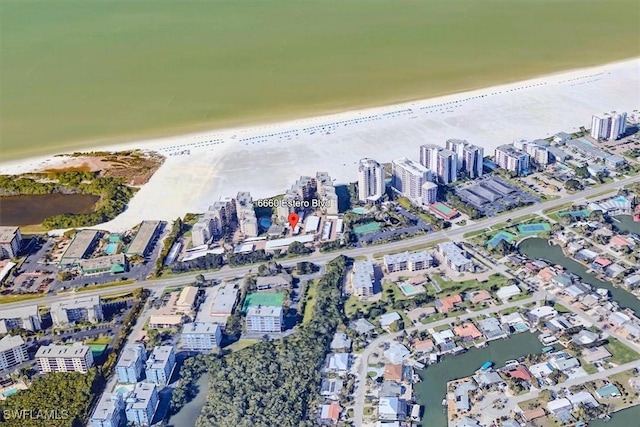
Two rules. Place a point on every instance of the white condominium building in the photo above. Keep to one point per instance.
(470, 158)
(429, 193)
(218, 216)
(264, 319)
(443, 162)
(326, 193)
(10, 242)
(88, 309)
(64, 358)
(13, 351)
(370, 180)
(200, 336)
(415, 261)
(20, 318)
(608, 126)
(510, 158)
(409, 177)
(538, 150)
(247, 220)
(363, 278)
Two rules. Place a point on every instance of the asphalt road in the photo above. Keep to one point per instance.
(319, 258)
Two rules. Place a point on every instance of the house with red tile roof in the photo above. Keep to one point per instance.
(520, 372)
(422, 345)
(620, 242)
(330, 413)
(444, 305)
(467, 331)
(392, 372)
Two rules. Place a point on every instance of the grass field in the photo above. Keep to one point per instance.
(74, 73)
(10, 298)
(620, 353)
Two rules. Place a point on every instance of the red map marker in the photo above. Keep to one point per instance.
(293, 219)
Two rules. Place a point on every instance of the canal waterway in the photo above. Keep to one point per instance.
(625, 223)
(625, 418)
(540, 248)
(433, 387)
(190, 412)
(33, 209)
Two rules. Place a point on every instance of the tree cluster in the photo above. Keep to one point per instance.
(275, 383)
(57, 399)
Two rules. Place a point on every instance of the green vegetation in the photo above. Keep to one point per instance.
(10, 298)
(114, 194)
(105, 285)
(620, 353)
(449, 287)
(63, 397)
(191, 370)
(313, 57)
(392, 299)
(309, 300)
(274, 383)
(176, 231)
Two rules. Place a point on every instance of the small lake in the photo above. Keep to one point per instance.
(625, 223)
(539, 248)
(433, 387)
(190, 412)
(33, 209)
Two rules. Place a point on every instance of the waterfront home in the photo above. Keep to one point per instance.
(619, 242)
(634, 382)
(422, 346)
(488, 378)
(574, 247)
(542, 313)
(585, 255)
(490, 328)
(506, 292)
(614, 270)
(513, 320)
(558, 324)
(583, 398)
(392, 409)
(330, 414)
(443, 337)
(396, 353)
(520, 372)
(446, 304)
(467, 331)
(561, 280)
(561, 408)
(563, 361)
(608, 391)
(590, 300)
(390, 389)
(510, 423)
(574, 292)
(546, 274)
(632, 329)
(632, 281)
(541, 370)
(393, 372)
(461, 394)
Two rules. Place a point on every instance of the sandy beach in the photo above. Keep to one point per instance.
(265, 160)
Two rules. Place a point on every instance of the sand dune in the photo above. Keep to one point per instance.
(265, 160)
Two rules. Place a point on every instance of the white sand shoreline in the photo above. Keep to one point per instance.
(266, 159)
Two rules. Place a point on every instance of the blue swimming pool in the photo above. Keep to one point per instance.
(360, 211)
(264, 223)
(10, 392)
(111, 248)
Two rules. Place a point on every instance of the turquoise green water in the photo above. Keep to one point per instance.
(432, 389)
(76, 73)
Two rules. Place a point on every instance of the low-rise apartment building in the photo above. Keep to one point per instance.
(64, 358)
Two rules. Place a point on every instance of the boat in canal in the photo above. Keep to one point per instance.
(488, 364)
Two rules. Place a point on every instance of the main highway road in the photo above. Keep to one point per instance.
(319, 258)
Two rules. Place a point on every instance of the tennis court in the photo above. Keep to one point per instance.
(268, 299)
(500, 236)
(534, 228)
(367, 228)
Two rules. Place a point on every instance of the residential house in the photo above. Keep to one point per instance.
(392, 409)
(506, 292)
(331, 388)
(340, 342)
(446, 304)
(490, 328)
(386, 320)
(330, 414)
(461, 393)
(480, 296)
(608, 391)
(362, 326)
(467, 331)
(337, 363)
(396, 352)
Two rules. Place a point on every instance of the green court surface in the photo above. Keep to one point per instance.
(268, 299)
(501, 235)
(539, 227)
(367, 228)
(80, 73)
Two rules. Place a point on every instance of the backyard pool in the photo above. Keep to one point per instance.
(111, 249)
(10, 392)
(360, 211)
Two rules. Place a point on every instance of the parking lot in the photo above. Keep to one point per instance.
(491, 195)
